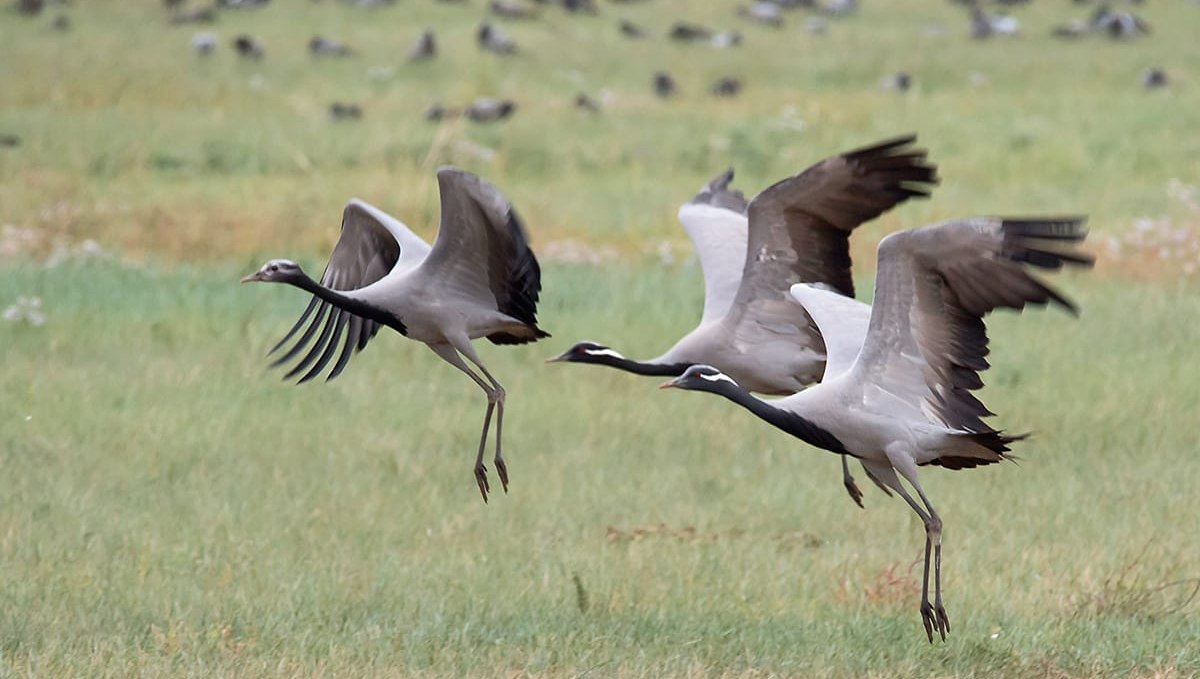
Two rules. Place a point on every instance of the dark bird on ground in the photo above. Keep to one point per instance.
(797, 231)
(1154, 78)
(494, 40)
(193, 15)
(900, 82)
(727, 87)
(630, 29)
(248, 48)
(766, 13)
(511, 9)
(580, 6)
(840, 8)
(438, 112)
(681, 31)
(487, 110)
(425, 47)
(480, 279)
(1118, 25)
(585, 102)
(984, 25)
(341, 111)
(321, 46)
(664, 85)
(904, 399)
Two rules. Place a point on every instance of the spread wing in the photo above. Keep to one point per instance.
(927, 343)
(800, 233)
(372, 245)
(481, 255)
(715, 220)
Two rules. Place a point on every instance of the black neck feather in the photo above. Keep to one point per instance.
(354, 306)
(794, 424)
(640, 368)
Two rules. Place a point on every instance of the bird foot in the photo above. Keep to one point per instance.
(502, 470)
(855, 493)
(482, 480)
(935, 620)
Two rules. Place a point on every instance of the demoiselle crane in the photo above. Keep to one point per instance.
(798, 232)
(480, 279)
(904, 399)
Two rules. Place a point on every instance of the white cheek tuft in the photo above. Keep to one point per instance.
(603, 352)
(718, 377)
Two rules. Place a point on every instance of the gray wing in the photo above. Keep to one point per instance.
(715, 221)
(481, 255)
(800, 233)
(926, 343)
(372, 244)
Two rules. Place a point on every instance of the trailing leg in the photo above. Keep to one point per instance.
(448, 353)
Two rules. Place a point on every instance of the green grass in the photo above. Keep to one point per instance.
(170, 508)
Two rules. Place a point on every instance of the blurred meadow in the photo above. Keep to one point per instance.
(170, 508)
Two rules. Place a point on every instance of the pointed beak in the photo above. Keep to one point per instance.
(252, 277)
(669, 385)
(557, 359)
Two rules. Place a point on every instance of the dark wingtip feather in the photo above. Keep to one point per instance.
(883, 146)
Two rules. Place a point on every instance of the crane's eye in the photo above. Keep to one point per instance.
(274, 267)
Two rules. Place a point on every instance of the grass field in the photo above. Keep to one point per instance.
(170, 508)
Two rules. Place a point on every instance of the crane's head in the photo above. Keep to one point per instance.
(276, 271)
(700, 378)
(586, 352)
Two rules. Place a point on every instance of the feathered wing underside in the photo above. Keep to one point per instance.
(719, 237)
(842, 322)
(927, 343)
(799, 231)
(369, 248)
(482, 257)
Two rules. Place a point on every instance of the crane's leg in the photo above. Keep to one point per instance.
(938, 609)
(934, 618)
(498, 395)
(448, 354)
(848, 482)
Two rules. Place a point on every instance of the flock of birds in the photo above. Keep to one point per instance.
(889, 384)
(1104, 19)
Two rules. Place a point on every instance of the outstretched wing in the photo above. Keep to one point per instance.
(927, 343)
(800, 233)
(842, 322)
(481, 255)
(715, 220)
(372, 245)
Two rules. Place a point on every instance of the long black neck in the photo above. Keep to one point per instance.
(354, 306)
(796, 425)
(640, 368)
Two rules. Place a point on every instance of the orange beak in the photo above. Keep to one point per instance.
(252, 277)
